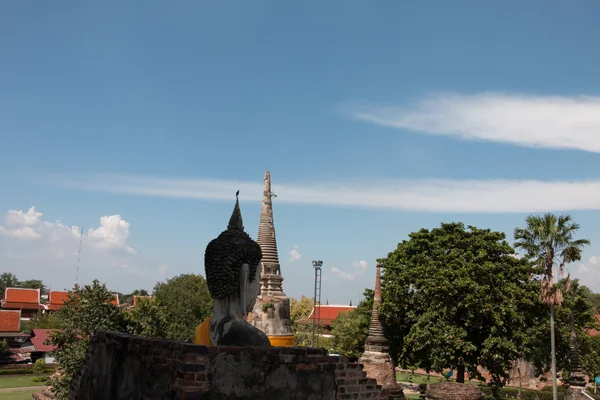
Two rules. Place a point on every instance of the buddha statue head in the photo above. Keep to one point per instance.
(232, 266)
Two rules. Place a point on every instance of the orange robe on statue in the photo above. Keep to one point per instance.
(202, 333)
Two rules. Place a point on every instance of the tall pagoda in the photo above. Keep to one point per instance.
(271, 313)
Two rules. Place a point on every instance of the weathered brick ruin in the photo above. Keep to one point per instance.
(376, 358)
(129, 367)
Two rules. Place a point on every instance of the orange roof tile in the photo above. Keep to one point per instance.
(327, 314)
(115, 299)
(57, 297)
(18, 295)
(10, 320)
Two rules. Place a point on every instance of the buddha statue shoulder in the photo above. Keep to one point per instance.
(232, 266)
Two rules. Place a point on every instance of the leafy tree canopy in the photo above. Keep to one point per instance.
(87, 308)
(188, 302)
(575, 302)
(350, 329)
(300, 309)
(457, 298)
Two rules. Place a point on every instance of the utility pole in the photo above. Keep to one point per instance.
(317, 300)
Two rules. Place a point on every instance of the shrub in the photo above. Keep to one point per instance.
(40, 367)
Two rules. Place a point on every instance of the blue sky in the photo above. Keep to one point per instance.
(374, 120)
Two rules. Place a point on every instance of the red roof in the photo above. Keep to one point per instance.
(18, 295)
(56, 299)
(115, 299)
(327, 314)
(10, 320)
(39, 337)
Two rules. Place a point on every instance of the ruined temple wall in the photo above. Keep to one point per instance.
(121, 366)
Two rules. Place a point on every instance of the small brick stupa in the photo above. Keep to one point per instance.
(376, 359)
(271, 313)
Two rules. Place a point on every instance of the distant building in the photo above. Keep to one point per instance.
(25, 300)
(10, 330)
(39, 337)
(325, 316)
(56, 300)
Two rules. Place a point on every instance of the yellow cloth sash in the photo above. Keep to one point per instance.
(202, 336)
(202, 333)
(282, 341)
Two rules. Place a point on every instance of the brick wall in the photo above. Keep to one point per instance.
(128, 367)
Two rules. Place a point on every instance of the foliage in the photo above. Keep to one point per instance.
(300, 309)
(589, 353)
(87, 308)
(457, 298)
(576, 301)
(187, 302)
(268, 306)
(350, 329)
(548, 241)
(41, 321)
(126, 298)
(40, 367)
(147, 318)
(4, 350)
(349, 334)
(10, 280)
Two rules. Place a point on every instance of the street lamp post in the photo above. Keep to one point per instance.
(316, 314)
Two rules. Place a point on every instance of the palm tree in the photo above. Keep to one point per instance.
(548, 241)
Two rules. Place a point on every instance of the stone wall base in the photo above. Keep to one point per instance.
(380, 367)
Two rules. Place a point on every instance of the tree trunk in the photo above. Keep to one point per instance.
(460, 373)
(553, 351)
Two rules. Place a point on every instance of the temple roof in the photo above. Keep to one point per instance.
(266, 228)
(20, 295)
(327, 314)
(10, 320)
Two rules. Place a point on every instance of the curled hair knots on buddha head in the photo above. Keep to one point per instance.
(225, 255)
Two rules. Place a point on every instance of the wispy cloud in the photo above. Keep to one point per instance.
(469, 196)
(294, 254)
(358, 267)
(558, 122)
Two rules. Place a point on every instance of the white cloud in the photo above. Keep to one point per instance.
(534, 121)
(435, 195)
(41, 249)
(294, 255)
(359, 268)
(342, 274)
(360, 265)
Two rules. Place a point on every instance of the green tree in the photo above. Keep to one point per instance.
(300, 309)
(589, 349)
(33, 284)
(350, 329)
(42, 321)
(4, 350)
(187, 302)
(87, 308)
(456, 298)
(575, 302)
(549, 242)
(7, 280)
(147, 318)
